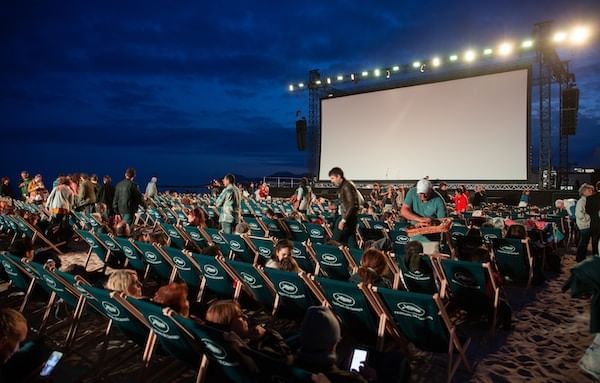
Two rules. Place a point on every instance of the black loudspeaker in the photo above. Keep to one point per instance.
(569, 104)
(301, 134)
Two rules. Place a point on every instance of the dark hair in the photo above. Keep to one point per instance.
(106, 179)
(289, 264)
(230, 177)
(130, 173)
(517, 231)
(336, 172)
(372, 266)
(282, 244)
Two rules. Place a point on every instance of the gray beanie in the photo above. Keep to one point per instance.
(320, 329)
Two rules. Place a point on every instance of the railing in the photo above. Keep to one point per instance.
(282, 182)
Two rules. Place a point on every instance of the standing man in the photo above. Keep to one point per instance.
(151, 189)
(86, 195)
(229, 201)
(106, 194)
(422, 204)
(351, 200)
(592, 207)
(24, 185)
(127, 197)
(583, 221)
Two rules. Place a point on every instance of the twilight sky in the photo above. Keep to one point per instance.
(191, 90)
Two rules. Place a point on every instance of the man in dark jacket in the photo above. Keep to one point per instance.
(106, 195)
(592, 207)
(350, 203)
(127, 197)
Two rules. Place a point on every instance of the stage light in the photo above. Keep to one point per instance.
(377, 72)
(365, 73)
(559, 37)
(341, 78)
(453, 57)
(579, 35)
(301, 85)
(527, 44)
(317, 82)
(388, 74)
(470, 55)
(505, 48)
(488, 51)
(352, 76)
(291, 87)
(328, 80)
(416, 64)
(395, 68)
(436, 61)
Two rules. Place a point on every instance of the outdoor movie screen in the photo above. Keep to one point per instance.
(469, 129)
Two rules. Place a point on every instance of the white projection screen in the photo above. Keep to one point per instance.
(468, 129)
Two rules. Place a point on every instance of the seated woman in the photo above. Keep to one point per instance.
(373, 269)
(125, 281)
(283, 249)
(516, 231)
(174, 296)
(227, 315)
(196, 217)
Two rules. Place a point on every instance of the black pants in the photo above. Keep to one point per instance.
(595, 235)
(349, 231)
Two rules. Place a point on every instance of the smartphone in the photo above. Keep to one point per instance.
(358, 357)
(51, 363)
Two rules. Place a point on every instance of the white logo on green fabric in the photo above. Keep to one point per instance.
(296, 252)
(344, 300)
(52, 283)
(113, 312)
(151, 258)
(235, 245)
(173, 234)
(508, 249)
(128, 252)
(217, 352)
(464, 280)
(9, 269)
(264, 251)
(210, 270)
(217, 238)
(161, 327)
(91, 242)
(180, 263)
(288, 287)
(329, 259)
(111, 245)
(316, 233)
(402, 239)
(410, 309)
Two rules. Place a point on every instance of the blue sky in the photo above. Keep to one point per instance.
(191, 90)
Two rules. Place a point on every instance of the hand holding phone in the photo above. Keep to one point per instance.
(359, 357)
(51, 363)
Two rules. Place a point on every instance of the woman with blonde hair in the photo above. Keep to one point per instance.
(125, 281)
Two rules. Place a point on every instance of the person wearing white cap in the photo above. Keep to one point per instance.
(422, 204)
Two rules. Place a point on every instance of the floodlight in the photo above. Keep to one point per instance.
(527, 44)
(291, 87)
(352, 76)
(488, 51)
(301, 85)
(453, 57)
(388, 74)
(579, 35)
(365, 73)
(377, 72)
(341, 78)
(328, 80)
(416, 64)
(559, 36)
(395, 68)
(470, 55)
(317, 82)
(505, 48)
(436, 61)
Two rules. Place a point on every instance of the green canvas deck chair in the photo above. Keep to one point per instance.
(399, 239)
(239, 248)
(274, 228)
(57, 287)
(351, 306)
(513, 258)
(263, 247)
(94, 247)
(423, 319)
(112, 247)
(217, 349)
(257, 228)
(458, 230)
(34, 234)
(419, 281)
(295, 292)
(21, 275)
(216, 279)
(318, 233)
(296, 230)
(195, 236)
(468, 284)
(161, 265)
(185, 266)
(256, 285)
(276, 371)
(215, 237)
(489, 233)
(133, 258)
(175, 239)
(333, 262)
(302, 253)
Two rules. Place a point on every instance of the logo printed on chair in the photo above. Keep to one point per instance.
(488, 237)
(161, 327)
(464, 280)
(83, 292)
(288, 289)
(52, 283)
(508, 249)
(217, 238)
(254, 226)
(264, 251)
(195, 235)
(402, 239)
(330, 260)
(211, 272)
(378, 226)
(9, 269)
(110, 244)
(250, 280)
(113, 312)
(217, 352)
(316, 233)
(91, 242)
(345, 301)
(417, 275)
(411, 310)
(151, 258)
(296, 253)
(128, 252)
(173, 233)
(295, 228)
(235, 245)
(180, 263)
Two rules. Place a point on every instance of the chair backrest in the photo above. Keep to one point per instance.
(350, 305)
(316, 232)
(302, 256)
(16, 276)
(135, 259)
(95, 247)
(260, 289)
(214, 236)
(399, 239)
(187, 269)
(297, 230)
(256, 228)
(422, 280)
(332, 261)
(216, 278)
(173, 233)
(294, 295)
(196, 236)
(240, 250)
(264, 248)
(55, 285)
(489, 233)
(416, 315)
(458, 230)
(512, 257)
(110, 244)
(466, 282)
(157, 261)
(273, 227)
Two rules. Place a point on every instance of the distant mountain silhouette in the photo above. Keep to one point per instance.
(289, 174)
